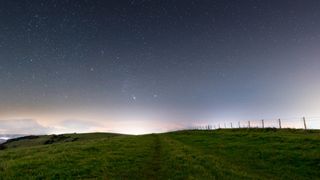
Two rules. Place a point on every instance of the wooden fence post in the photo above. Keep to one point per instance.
(262, 123)
(231, 125)
(304, 123)
(279, 123)
(239, 124)
(248, 124)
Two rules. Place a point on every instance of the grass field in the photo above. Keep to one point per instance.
(219, 154)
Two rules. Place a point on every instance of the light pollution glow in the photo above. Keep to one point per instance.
(154, 66)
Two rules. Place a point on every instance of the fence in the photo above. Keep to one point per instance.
(293, 123)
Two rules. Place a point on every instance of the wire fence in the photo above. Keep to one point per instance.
(292, 123)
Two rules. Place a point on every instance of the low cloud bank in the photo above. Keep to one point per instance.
(125, 126)
(22, 126)
(78, 126)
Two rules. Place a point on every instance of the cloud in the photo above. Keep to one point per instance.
(31, 126)
(79, 126)
(22, 126)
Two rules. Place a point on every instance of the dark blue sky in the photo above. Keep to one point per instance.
(91, 62)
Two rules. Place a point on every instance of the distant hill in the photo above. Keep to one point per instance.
(36, 140)
(5, 137)
(218, 154)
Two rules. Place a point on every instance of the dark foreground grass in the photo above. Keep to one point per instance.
(220, 154)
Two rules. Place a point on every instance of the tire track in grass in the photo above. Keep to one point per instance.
(195, 164)
(153, 168)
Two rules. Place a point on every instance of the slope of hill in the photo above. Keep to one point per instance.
(220, 154)
(32, 140)
(5, 137)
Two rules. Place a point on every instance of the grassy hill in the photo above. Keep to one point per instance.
(219, 154)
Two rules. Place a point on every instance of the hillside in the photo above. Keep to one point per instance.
(219, 154)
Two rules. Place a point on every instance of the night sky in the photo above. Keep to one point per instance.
(155, 65)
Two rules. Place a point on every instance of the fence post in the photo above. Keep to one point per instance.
(225, 126)
(304, 123)
(231, 125)
(219, 125)
(262, 123)
(279, 123)
(239, 124)
(248, 124)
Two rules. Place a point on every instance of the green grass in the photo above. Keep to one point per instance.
(220, 154)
